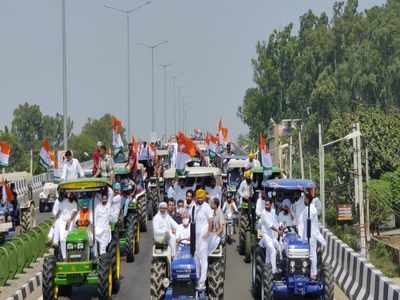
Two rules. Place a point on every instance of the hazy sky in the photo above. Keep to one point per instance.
(210, 46)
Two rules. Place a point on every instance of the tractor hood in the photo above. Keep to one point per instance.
(295, 247)
(78, 235)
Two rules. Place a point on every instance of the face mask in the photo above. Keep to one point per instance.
(185, 222)
(199, 202)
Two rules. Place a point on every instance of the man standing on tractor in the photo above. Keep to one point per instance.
(310, 212)
(252, 162)
(180, 189)
(132, 160)
(245, 190)
(71, 168)
(268, 240)
(116, 203)
(102, 220)
(105, 165)
(96, 157)
(163, 224)
(190, 203)
(183, 230)
(203, 220)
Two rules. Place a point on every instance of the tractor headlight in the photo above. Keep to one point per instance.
(80, 246)
(165, 282)
(304, 270)
(70, 246)
(292, 263)
(305, 264)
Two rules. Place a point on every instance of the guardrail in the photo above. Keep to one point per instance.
(357, 278)
(22, 250)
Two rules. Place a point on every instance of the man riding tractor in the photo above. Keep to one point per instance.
(89, 250)
(287, 262)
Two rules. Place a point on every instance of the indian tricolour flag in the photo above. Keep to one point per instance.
(265, 156)
(45, 155)
(4, 154)
(222, 133)
(211, 144)
(186, 150)
(116, 134)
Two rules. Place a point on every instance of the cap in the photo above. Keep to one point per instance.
(163, 205)
(117, 186)
(99, 144)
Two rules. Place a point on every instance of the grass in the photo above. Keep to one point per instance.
(382, 259)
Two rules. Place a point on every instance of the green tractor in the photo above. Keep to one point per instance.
(248, 219)
(129, 226)
(82, 266)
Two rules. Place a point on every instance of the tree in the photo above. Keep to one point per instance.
(53, 129)
(380, 206)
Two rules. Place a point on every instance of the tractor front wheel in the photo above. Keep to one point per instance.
(104, 284)
(215, 280)
(49, 289)
(158, 272)
(142, 213)
(327, 279)
(114, 250)
(243, 227)
(257, 269)
(131, 225)
(247, 247)
(266, 289)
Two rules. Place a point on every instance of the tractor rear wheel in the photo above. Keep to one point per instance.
(258, 264)
(130, 234)
(142, 211)
(266, 289)
(49, 289)
(105, 278)
(150, 205)
(27, 218)
(327, 279)
(243, 227)
(158, 272)
(247, 247)
(215, 279)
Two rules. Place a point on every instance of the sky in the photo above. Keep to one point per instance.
(210, 46)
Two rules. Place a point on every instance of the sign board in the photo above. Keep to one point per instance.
(344, 212)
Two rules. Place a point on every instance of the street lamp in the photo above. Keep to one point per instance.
(152, 47)
(128, 62)
(164, 67)
(64, 72)
(184, 111)
(355, 136)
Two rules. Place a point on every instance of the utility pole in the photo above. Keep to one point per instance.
(301, 153)
(321, 172)
(363, 241)
(128, 58)
(367, 197)
(64, 72)
(165, 99)
(174, 96)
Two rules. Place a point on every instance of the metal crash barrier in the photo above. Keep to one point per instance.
(357, 278)
(22, 250)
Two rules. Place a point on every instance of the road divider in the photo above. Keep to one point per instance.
(357, 278)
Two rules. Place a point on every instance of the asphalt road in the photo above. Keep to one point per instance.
(136, 277)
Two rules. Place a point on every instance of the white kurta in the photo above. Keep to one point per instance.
(115, 208)
(72, 170)
(202, 215)
(180, 193)
(163, 224)
(183, 233)
(215, 192)
(268, 240)
(102, 227)
(316, 235)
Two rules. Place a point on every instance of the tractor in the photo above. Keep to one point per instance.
(82, 264)
(293, 278)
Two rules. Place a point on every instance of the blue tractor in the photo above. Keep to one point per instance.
(293, 278)
(177, 279)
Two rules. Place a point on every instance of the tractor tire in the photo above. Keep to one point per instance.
(137, 239)
(267, 278)
(42, 207)
(65, 291)
(27, 218)
(327, 278)
(215, 279)
(247, 247)
(158, 272)
(48, 288)
(115, 254)
(243, 227)
(258, 262)
(131, 224)
(104, 284)
(142, 212)
(150, 206)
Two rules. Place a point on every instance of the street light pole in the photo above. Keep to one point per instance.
(363, 244)
(128, 58)
(174, 96)
(321, 173)
(152, 47)
(165, 99)
(64, 72)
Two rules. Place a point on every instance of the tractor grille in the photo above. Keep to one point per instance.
(77, 255)
(297, 253)
(183, 288)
